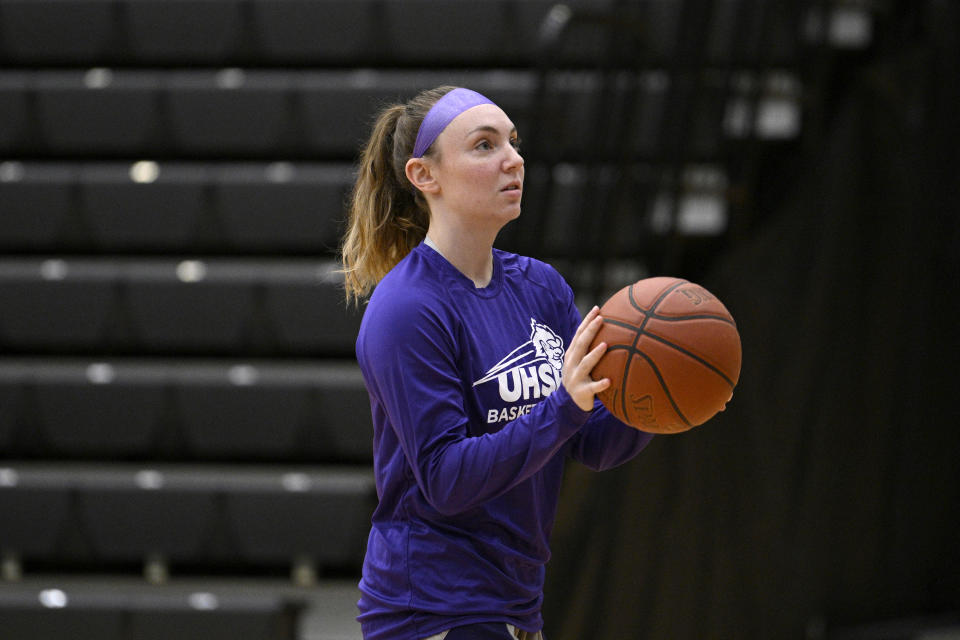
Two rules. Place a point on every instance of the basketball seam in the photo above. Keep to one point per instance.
(626, 372)
(656, 303)
(705, 316)
(663, 385)
(692, 355)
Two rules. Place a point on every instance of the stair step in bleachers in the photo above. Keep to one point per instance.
(173, 207)
(164, 306)
(162, 410)
(206, 517)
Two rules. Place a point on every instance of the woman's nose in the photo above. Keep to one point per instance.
(514, 159)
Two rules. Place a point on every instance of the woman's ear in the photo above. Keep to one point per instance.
(420, 174)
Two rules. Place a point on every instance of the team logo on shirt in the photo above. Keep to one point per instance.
(532, 371)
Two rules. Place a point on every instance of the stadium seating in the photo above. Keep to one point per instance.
(146, 207)
(208, 517)
(79, 612)
(170, 409)
(166, 306)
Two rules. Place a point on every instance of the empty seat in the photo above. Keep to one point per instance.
(174, 410)
(10, 398)
(338, 107)
(306, 306)
(318, 30)
(340, 425)
(38, 203)
(203, 517)
(55, 304)
(35, 514)
(455, 31)
(190, 306)
(124, 611)
(98, 111)
(54, 613)
(322, 519)
(16, 131)
(143, 206)
(282, 207)
(212, 616)
(230, 111)
(190, 31)
(57, 31)
(98, 410)
(129, 521)
(241, 411)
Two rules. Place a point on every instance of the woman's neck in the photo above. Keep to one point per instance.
(470, 255)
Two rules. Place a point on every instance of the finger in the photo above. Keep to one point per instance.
(598, 386)
(590, 331)
(590, 360)
(587, 319)
(577, 347)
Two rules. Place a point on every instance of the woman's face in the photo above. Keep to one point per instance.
(480, 170)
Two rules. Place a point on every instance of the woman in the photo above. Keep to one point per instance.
(478, 370)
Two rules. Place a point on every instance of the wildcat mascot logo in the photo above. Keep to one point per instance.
(533, 370)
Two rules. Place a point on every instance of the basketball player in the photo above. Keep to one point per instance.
(478, 369)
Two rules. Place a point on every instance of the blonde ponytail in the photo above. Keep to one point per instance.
(387, 216)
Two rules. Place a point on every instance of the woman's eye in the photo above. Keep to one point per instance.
(484, 144)
(516, 143)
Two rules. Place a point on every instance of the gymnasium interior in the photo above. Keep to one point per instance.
(185, 436)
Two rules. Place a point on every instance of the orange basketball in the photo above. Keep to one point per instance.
(673, 355)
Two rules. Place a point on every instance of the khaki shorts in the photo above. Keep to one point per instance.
(514, 632)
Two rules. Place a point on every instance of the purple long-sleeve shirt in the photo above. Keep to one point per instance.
(472, 427)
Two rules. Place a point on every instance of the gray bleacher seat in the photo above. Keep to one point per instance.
(38, 206)
(452, 30)
(308, 310)
(340, 423)
(10, 397)
(318, 31)
(97, 111)
(190, 306)
(55, 304)
(34, 516)
(281, 207)
(126, 521)
(199, 516)
(338, 107)
(193, 31)
(143, 206)
(166, 410)
(57, 31)
(320, 520)
(148, 306)
(26, 617)
(16, 130)
(242, 411)
(101, 611)
(173, 207)
(231, 111)
(97, 411)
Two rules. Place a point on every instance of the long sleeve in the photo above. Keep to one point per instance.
(409, 358)
(604, 442)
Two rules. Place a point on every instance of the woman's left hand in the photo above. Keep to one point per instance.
(580, 360)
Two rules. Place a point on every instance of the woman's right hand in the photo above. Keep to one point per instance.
(580, 360)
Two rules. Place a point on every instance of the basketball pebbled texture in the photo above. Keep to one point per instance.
(673, 355)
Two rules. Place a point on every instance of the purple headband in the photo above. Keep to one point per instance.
(442, 113)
